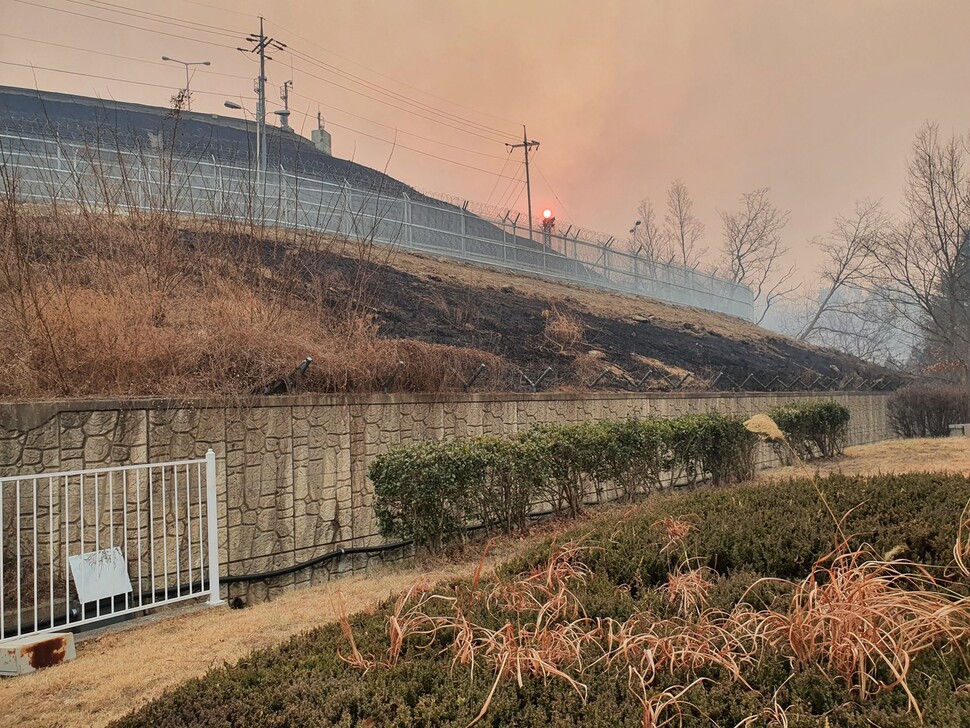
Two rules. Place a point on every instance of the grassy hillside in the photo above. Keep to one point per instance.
(111, 303)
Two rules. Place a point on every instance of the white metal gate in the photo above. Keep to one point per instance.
(75, 535)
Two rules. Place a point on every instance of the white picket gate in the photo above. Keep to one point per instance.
(83, 546)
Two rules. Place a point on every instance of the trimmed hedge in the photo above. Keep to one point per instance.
(431, 491)
(928, 410)
(813, 429)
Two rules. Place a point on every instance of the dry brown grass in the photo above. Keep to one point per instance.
(563, 329)
(857, 613)
(127, 305)
(891, 456)
(142, 662)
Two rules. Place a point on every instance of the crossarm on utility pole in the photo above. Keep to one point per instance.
(526, 145)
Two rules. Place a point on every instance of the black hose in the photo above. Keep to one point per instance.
(316, 561)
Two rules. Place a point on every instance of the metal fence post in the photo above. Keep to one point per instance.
(464, 241)
(212, 522)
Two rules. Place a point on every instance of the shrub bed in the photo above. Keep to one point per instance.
(928, 410)
(812, 429)
(431, 491)
(624, 566)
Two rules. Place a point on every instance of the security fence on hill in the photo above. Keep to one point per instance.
(39, 169)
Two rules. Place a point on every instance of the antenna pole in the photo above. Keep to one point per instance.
(526, 145)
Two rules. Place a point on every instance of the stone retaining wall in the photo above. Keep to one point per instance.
(292, 470)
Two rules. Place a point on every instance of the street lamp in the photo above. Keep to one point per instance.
(260, 162)
(188, 93)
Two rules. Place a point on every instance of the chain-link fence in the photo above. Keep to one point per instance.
(43, 169)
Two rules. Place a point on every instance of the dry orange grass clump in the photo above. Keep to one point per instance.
(144, 303)
(856, 617)
(563, 329)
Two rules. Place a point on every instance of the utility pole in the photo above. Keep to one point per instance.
(260, 44)
(526, 146)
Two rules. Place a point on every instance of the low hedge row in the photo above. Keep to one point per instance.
(431, 491)
(813, 429)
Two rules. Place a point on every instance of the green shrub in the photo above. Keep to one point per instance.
(712, 445)
(571, 456)
(927, 410)
(637, 456)
(516, 471)
(427, 491)
(813, 429)
(432, 491)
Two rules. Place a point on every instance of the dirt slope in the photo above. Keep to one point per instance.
(513, 316)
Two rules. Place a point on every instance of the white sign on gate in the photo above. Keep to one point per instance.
(100, 574)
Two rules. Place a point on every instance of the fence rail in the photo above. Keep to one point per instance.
(82, 546)
(47, 170)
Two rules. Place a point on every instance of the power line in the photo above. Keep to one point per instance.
(115, 55)
(109, 7)
(487, 136)
(497, 179)
(539, 170)
(378, 73)
(395, 95)
(125, 25)
(398, 145)
(211, 43)
(506, 198)
(108, 78)
(248, 98)
(397, 129)
(204, 28)
(234, 75)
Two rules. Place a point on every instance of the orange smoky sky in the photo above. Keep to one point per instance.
(817, 100)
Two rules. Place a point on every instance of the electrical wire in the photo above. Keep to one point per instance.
(115, 55)
(507, 195)
(396, 144)
(205, 28)
(378, 73)
(561, 205)
(502, 134)
(109, 7)
(498, 178)
(471, 132)
(394, 128)
(124, 25)
(112, 78)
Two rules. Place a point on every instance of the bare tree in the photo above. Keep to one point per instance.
(648, 240)
(850, 259)
(861, 323)
(753, 249)
(925, 263)
(682, 226)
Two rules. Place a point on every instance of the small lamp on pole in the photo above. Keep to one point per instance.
(188, 92)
